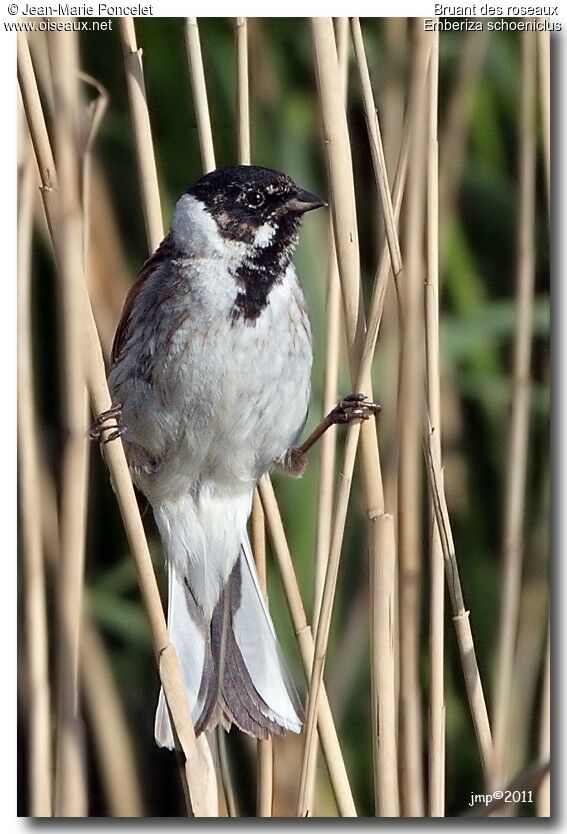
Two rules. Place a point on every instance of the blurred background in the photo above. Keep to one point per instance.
(479, 127)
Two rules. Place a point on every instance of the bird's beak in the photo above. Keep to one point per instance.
(303, 201)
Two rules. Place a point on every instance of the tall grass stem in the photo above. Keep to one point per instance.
(515, 483)
(35, 608)
(436, 712)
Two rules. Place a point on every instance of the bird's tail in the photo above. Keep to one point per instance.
(233, 668)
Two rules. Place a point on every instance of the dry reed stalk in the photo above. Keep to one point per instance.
(112, 739)
(242, 97)
(383, 565)
(265, 761)
(200, 94)
(346, 239)
(328, 443)
(38, 47)
(395, 40)
(147, 170)
(461, 620)
(436, 730)
(543, 801)
(113, 747)
(96, 111)
(70, 774)
(35, 615)
(383, 578)
(376, 148)
(544, 62)
(326, 728)
(410, 295)
(519, 419)
(344, 221)
(473, 682)
(198, 766)
(108, 274)
(38, 132)
(384, 707)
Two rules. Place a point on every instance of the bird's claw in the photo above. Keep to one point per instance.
(102, 425)
(354, 407)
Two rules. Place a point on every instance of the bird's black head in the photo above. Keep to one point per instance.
(260, 210)
(245, 199)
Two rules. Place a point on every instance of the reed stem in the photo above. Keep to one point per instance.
(70, 767)
(515, 485)
(436, 729)
(35, 613)
(200, 100)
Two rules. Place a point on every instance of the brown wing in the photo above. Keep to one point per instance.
(162, 253)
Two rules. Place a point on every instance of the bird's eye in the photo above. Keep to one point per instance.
(255, 199)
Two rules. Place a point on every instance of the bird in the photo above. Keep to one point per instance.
(210, 381)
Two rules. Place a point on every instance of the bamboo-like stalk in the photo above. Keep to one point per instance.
(265, 751)
(328, 442)
(113, 743)
(461, 619)
(436, 730)
(97, 109)
(38, 133)
(376, 148)
(543, 801)
(519, 419)
(544, 62)
(35, 615)
(113, 746)
(147, 170)
(242, 96)
(200, 94)
(70, 773)
(344, 221)
(346, 238)
(386, 787)
(395, 45)
(326, 728)
(198, 766)
(409, 457)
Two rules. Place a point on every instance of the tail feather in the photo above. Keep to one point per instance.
(260, 651)
(233, 667)
(190, 635)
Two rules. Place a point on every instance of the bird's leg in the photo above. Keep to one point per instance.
(352, 407)
(101, 425)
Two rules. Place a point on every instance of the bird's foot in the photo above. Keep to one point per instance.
(108, 425)
(353, 407)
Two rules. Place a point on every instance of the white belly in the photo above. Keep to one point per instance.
(231, 398)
